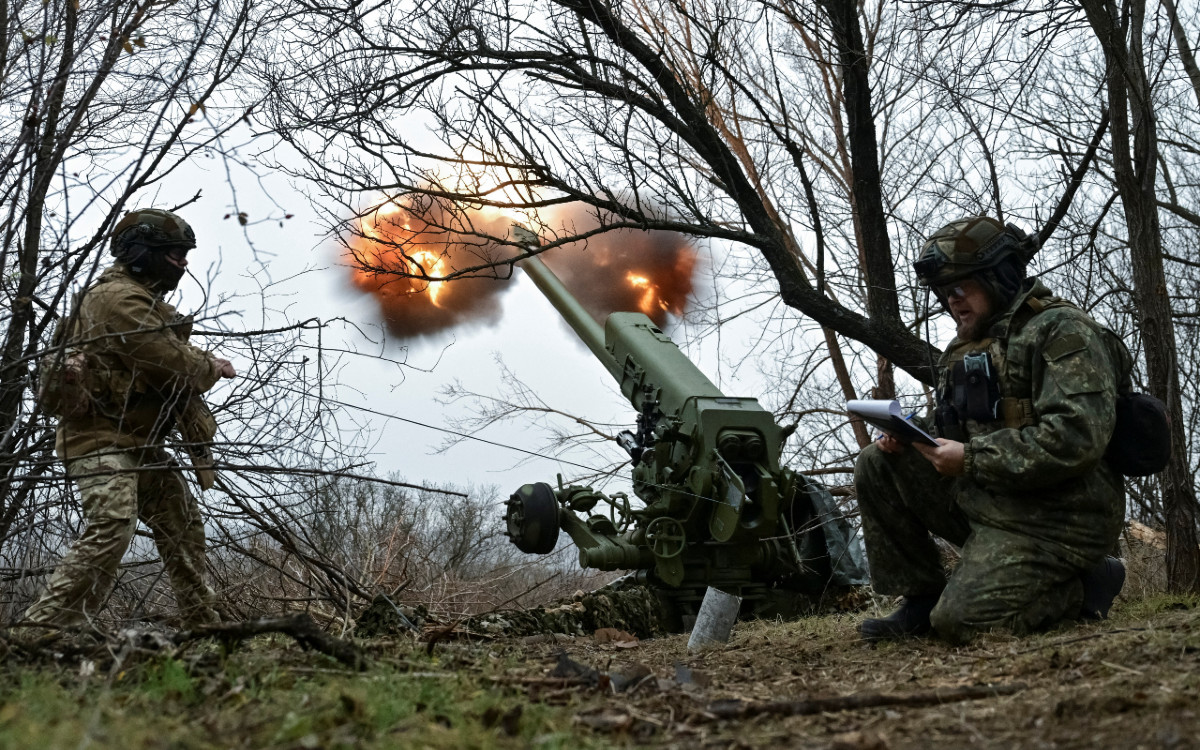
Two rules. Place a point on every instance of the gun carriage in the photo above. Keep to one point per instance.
(717, 509)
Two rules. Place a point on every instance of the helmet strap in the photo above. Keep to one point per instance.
(928, 343)
(133, 254)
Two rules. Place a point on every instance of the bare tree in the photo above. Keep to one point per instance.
(109, 96)
(1135, 143)
(670, 129)
(103, 103)
(1131, 53)
(808, 145)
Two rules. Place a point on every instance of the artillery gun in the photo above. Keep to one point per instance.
(717, 509)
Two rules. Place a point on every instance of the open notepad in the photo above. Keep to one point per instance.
(887, 416)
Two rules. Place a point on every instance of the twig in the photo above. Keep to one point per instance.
(444, 632)
(551, 682)
(299, 626)
(738, 709)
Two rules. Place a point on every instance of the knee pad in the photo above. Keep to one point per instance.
(950, 624)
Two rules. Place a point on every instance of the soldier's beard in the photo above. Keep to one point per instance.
(972, 324)
(972, 330)
(972, 320)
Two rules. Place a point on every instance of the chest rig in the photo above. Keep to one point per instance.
(113, 377)
(987, 385)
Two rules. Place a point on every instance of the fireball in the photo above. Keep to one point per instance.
(403, 257)
(651, 301)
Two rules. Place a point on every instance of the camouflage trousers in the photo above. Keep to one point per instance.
(117, 490)
(1005, 579)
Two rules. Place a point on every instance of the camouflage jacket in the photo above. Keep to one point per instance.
(143, 375)
(1039, 467)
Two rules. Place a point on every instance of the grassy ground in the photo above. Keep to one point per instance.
(1132, 681)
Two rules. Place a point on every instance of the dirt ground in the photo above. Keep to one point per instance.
(1132, 681)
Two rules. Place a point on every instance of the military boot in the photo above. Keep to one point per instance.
(1101, 584)
(912, 619)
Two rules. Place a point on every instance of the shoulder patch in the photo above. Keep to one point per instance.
(1064, 345)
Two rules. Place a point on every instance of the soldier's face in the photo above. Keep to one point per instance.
(166, 268)
(970, 306)
(177, 256)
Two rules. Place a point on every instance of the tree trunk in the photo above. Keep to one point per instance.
(14, 372)
(881, 329)
(1186, 57)
(843, 375)
(866, 198)
(1135, 169)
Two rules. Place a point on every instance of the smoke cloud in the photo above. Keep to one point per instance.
(624, 270)
(402, 241)
(628, 271)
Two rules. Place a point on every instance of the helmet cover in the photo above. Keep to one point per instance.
(968, 247)
(149, 229)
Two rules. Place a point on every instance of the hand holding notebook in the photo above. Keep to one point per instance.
(887, 416)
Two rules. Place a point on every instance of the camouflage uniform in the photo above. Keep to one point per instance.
(1037, 503)
(145, 380)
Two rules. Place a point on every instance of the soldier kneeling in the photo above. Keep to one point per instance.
(1026, 407)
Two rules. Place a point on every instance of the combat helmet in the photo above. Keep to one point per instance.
(980, 247)
(142, 241)
(147, 230)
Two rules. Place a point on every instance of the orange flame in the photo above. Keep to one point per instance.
(649, 272)
(431, 265)
(400, 257)
(651, 302)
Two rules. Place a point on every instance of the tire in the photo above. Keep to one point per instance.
(532, 518)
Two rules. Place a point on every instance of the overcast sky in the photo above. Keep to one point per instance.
(529, 335)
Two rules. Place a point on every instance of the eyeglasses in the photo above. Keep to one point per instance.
(952, 291)
(177, 254)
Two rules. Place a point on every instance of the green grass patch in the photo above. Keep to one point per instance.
(1153, 605)
(275, 697)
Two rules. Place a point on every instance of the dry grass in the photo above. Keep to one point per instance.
(1132, 681)
(1129, 682)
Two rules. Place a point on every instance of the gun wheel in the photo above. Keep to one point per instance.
(666, 537)
(532, 518)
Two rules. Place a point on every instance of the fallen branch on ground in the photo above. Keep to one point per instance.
(300, 627)
(738, 709)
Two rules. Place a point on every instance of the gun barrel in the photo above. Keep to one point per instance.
(588, 330)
